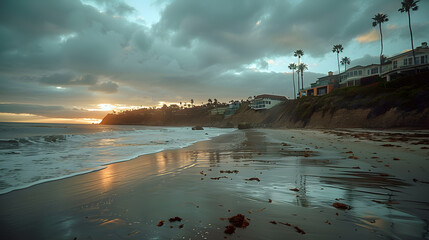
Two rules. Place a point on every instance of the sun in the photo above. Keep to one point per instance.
(106, 107)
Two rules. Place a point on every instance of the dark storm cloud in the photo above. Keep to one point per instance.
(66, 79)
(114, 7)
(52, 34)
(106, 87)
(365, 60)
(251, 29)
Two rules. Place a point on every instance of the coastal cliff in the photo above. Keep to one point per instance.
(401, 103)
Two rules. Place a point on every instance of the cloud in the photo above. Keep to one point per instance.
(114, 7)
(392, 26)
(365, 60)
(106, 87)
(196, 49)
(49, 111)
(262, 64)
(67, 79)
(368, 37)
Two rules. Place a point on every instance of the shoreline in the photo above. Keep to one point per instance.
(127, 199)
(104, 165)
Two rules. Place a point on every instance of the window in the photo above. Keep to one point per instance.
(374, 70)
(360, 72)
(395, 64)
(369, 72)
(405, 62)
(417, 62)
(355, 73)
(424, 59)
(322, 91)
(410, 61)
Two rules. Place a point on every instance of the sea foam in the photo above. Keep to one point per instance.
(30, 160)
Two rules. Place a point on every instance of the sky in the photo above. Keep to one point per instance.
(74, 61)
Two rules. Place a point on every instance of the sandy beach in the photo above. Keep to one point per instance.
(286, 183)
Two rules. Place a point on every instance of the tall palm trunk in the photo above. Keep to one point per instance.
(302, 79)
(338, 60)
(412, 43)
(381, 53)
(293, 80)
(345, 67)
(297, 73)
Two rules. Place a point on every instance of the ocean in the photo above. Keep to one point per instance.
(33, 153)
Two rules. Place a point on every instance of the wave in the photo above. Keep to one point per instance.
(27, 161)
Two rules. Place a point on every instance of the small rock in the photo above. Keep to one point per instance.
(197, 128)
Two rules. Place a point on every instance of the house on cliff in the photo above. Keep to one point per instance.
(354, 75)
(403, 63)
(322, 86)
(232, 108)
(266, 101)
(218, 111)
(398, 65)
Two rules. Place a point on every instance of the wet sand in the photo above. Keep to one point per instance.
(386, 187)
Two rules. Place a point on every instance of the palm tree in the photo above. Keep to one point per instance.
(380, 18)
(338, 48)
(297, 73)
(302, 67)
(192, 102)
(299, 53)
(345, 61)
(292, 67)
(408, 5)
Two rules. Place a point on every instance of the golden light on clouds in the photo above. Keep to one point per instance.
(368, 37)
(110, 107)
(392, 26)
(28, 118)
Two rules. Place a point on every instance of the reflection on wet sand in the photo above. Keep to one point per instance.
(161, 163)
(373, 192)
(106, 178)
(296, 184)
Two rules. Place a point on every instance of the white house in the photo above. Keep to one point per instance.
(266, 101)
(403, 62)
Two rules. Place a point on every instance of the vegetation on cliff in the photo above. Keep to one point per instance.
(408, 95)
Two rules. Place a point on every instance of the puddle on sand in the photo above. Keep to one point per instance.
(323, 177)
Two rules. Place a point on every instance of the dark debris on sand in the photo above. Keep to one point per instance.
(237, 221)
(230, 229)
(175, 219)
(160, 223)
(341, 206)
(253, 179)
(298, 229)
(218, 178)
